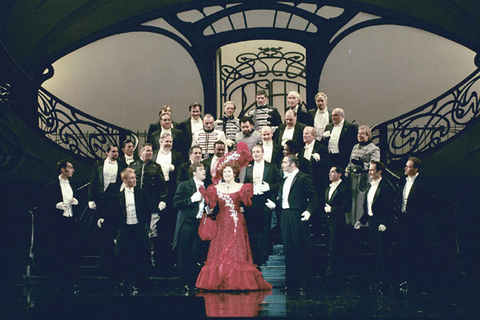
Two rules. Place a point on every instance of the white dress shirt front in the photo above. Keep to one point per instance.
(406, 191)
(286, 188)
(335, 138)
(371, 194)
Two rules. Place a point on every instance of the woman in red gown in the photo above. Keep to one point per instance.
(229, 264)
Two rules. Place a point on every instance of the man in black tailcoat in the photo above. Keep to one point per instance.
(414, 253)
(130, 214)
(378, 212)
(190, 205)
(265, 179)
(298, 198)
(56, 243)
(105, 181)
(340, 136)
(338, 201)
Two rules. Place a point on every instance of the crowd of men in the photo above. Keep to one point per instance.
(146, 201)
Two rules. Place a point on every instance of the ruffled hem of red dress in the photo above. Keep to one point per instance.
(225, 273)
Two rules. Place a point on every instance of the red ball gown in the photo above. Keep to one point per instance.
(229, 264)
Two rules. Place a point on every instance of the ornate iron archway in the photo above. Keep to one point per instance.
(270, 69)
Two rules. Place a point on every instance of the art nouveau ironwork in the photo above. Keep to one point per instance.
(77, 132)
(268, 69)
(428, 127)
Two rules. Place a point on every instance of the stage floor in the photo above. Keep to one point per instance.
(38, 298)
(167, 300)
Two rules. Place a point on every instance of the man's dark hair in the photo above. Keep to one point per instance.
(124, 143)
(378, 165)
(339, 169)
(262, 92)
(109, 146)
(292, 146)
(190, 151)
(62, 164)
(193, 167)
(246, 119)
(193, 105)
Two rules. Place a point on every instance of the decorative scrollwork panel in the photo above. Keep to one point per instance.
(261, 69)
(428, 127)
(76, 131)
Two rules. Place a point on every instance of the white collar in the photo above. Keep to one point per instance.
(63, 180)
(375, 182)
(197, 182)
(310, 145)
(340, 124)
(335, 184)
(411, 179)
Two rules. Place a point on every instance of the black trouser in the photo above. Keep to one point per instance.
(378, 245)
(294, 245)
(189, 244)
(336, 241)
(258, 218)
(64, 251)
(163, 253)
(132, 253)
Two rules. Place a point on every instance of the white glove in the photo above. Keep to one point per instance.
(357, 225)
(316, 156)
(171, 168)
(61, 206)
(256, 189)
(264, 187)
(328, 208)
(326, 134)
(382, 228)
(161, 205)
(99, 222)
(305, 216)
(230, 143)
(199, 215)
(74, 202)
(270, 204)
(196, 197)
(92, 205)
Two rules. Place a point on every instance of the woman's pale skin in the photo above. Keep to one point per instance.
(229, 185)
